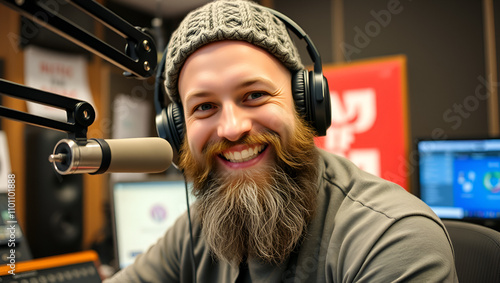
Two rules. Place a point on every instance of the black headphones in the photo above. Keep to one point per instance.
(309, 88)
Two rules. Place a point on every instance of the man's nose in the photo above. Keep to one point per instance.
(234, 122)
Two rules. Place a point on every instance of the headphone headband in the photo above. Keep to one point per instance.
(159, 97)
(300, 33)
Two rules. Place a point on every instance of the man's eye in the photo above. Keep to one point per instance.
(204, 110)
(205, 107)
(255, 95)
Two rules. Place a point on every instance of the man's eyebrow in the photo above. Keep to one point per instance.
(256, 80)
(197, 94)
(245, 83)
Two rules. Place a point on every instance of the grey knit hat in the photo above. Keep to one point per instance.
(227, 20)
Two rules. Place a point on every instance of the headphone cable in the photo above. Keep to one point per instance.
(159, 104)
(190, 229)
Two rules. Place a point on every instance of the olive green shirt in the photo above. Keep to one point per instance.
(365, 229)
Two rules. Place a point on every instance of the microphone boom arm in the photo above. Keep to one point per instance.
(138, 60)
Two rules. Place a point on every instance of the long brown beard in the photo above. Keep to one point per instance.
(263, 212)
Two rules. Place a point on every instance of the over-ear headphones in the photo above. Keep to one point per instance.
(309, 88)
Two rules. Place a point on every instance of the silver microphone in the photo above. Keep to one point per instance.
(97, 156)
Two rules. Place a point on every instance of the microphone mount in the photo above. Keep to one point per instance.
(80, 114)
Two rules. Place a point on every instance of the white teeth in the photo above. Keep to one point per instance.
(237, 155)
(244, 155)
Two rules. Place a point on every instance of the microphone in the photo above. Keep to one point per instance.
(97, 156)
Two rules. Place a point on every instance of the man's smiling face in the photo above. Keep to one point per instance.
(231, 90)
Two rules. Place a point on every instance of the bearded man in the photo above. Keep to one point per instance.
(271, 207)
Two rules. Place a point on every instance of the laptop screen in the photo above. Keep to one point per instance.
(460, 179)
(143, 211)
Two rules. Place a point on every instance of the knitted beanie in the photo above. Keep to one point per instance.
(227, 20)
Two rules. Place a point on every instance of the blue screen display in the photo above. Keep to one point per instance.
(476, 185)
(460, 178)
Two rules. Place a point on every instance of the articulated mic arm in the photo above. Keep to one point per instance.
(138, 60)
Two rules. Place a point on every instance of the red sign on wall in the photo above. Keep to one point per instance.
(369, 116)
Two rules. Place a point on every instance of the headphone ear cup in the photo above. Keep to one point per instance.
(307, 87)
(320, 103)
(175, 118)
(170, 126)
(300, 92)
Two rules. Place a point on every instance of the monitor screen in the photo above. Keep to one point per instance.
(143, 211)
(460, 179)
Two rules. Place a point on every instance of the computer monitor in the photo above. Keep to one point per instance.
(460, 178)
(142, 213)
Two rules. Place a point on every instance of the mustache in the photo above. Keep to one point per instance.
(202, 170)
(214, 148)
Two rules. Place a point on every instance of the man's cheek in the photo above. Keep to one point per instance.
(282, 127)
